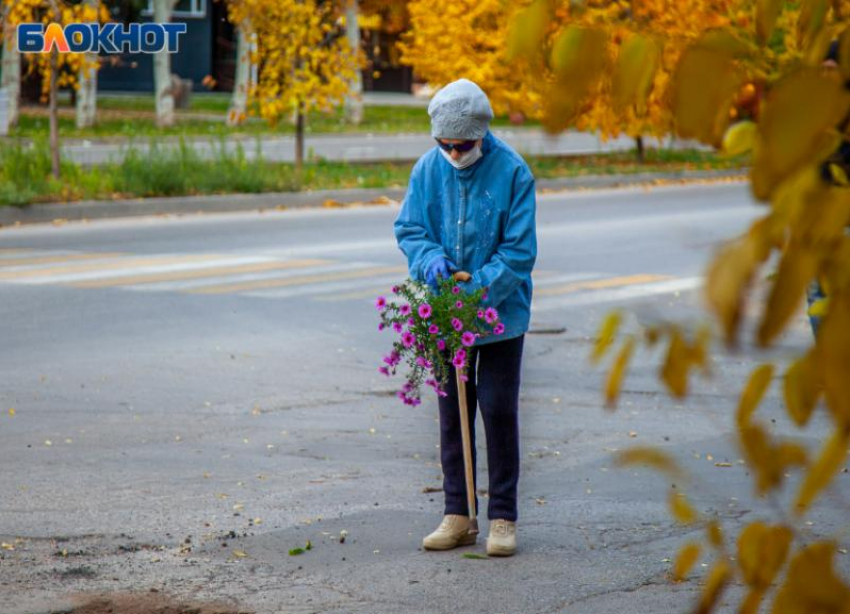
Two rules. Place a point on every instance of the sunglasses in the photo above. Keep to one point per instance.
(459, 147)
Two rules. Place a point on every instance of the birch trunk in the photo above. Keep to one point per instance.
(11, 70)
(354, 99)
(244, 72)
(164, 97)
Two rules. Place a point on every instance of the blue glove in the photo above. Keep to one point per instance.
(438, 268)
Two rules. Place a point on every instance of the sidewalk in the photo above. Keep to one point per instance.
(359, 147)
(222, 203)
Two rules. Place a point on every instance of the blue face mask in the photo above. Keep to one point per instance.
(468, 159)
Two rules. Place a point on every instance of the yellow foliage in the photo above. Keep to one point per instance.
(652, 457)
(685, 560)
(717, 580)
(802, 388)
(306, 63)
(753, 393)
(811, 584)
(68, 65)
(681, 509)
(769, 460)
(607, 332)
(618, 372)
(831, 458)
(762, 550)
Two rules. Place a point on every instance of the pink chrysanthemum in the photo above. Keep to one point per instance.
(457, 324)
(380, 303)
(467, 338)
(425, 311)
(404, 309)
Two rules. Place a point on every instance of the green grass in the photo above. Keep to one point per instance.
(25, 173)
(138, 121)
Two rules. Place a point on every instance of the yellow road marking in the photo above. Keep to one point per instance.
(295, 281)
(598, 284)
(196, 273)
(122, 263)
(59, 258)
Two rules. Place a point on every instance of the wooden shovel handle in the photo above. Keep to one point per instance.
(461, 276)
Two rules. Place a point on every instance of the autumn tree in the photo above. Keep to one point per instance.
(58, 70)
(305, 61)
(473, 47)
(806, 196)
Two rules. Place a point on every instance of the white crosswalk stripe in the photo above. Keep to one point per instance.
(297, 272)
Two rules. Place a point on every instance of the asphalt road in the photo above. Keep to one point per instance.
(195, 396)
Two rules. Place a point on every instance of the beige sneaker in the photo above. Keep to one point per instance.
(452, 532)
(502, 538)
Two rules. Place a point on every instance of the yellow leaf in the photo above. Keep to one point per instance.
(769, 461)
(844, 54)
(674, 372)
(578, 60)
(652, 457)
(811, 21)
(795, 124)
(705, 83)
(634, 72)
(833, 356)
(528, 30)
(802, 388)
(796, 270)
(607, 332)
(730, 275)
(762, 550)
(739, 138)
(715, 534)
(752, 602)
(766, 13)
(821, 473)
(753, 392)
(681, 508)
(618, 372)
(685, 560)
(12, 412)
(811, 584)
(717, 579)
(239, 554)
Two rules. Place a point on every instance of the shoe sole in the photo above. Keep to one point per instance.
(466, 540)
(499, 551)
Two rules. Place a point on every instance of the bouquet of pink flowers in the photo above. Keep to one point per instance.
(433, 328)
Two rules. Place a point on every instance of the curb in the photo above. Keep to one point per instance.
(229, 203)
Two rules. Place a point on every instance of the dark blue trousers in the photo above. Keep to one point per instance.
(493, 387)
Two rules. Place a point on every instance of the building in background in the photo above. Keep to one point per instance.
(208, 49)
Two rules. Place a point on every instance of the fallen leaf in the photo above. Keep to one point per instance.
(239, 554)
(12, 411)
(296, 551)
(474, 556)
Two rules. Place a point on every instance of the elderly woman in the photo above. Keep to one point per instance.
(470, 206)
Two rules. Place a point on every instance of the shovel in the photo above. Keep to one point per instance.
(465, 434)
